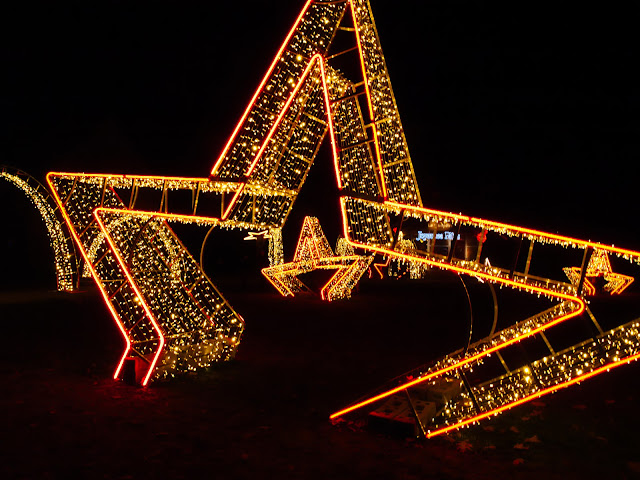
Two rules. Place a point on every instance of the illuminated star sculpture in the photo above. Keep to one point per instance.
(172, 317)
(599, 266)
(314, 253)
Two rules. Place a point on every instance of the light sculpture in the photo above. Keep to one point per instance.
(314, 253)
(59, 238)
(415, 269)
(173, 318)
(599, 266)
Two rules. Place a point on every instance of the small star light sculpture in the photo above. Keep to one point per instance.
(312, 253)
(599, 266)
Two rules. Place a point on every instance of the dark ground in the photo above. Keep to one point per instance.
(265, 414)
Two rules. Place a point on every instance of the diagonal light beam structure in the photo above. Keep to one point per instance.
(171, 314)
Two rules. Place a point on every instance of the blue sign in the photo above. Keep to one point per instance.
(422, 236)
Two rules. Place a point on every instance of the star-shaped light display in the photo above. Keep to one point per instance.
(172, 317)
(314, 253)
(599, 267)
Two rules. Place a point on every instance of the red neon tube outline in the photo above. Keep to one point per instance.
(494, 224)
(477, 274)
(327, 103)
(233, 202)
(342, 272)
(507, 282)
(94, 274)
(274, 128)
(527, 231)
(283, 111)
(460, 363)
(538, 394)
(276, 277)
(259, 89)
(167, 216)
(96, 214)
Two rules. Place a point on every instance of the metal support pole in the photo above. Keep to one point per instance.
(134, 193)
(162, 198)
(203, 242)
(495, 309)
(104, 189)
(466, 290)
(515, 261)
(504, 364)
(421, 431)
(195, 196)
(595, 322)
(433, 240)
(453, 244)
(583, 269)
(463, 377)
(546, 341)
(526, 268)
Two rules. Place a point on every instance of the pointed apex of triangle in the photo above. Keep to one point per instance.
(312, 243)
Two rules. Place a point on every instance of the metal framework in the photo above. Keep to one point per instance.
(61, 243)
(172, 316)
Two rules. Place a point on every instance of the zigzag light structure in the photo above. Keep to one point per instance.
(314, 253)
(171, 315)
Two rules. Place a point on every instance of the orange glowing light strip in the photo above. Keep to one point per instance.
(274, 128)
(342, 273)
(488, 277)
(590, 289)
(167, 216)
(527, 231)
(114, 249)
(232, 202)
(259, 89)
(301, 240)
(475, 273)
(327, 103)
(366, 87)
(134, 177)
(462, 362)
(283, 284)
(283, 111)
(94, 274)
(299, 267)
(539, 394)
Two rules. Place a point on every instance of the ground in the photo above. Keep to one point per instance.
(266, 413)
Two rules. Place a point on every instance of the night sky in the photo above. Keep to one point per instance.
(528, 113)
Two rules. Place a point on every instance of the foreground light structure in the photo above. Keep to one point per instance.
(314, 253)
(61, 243)
(173, 318)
